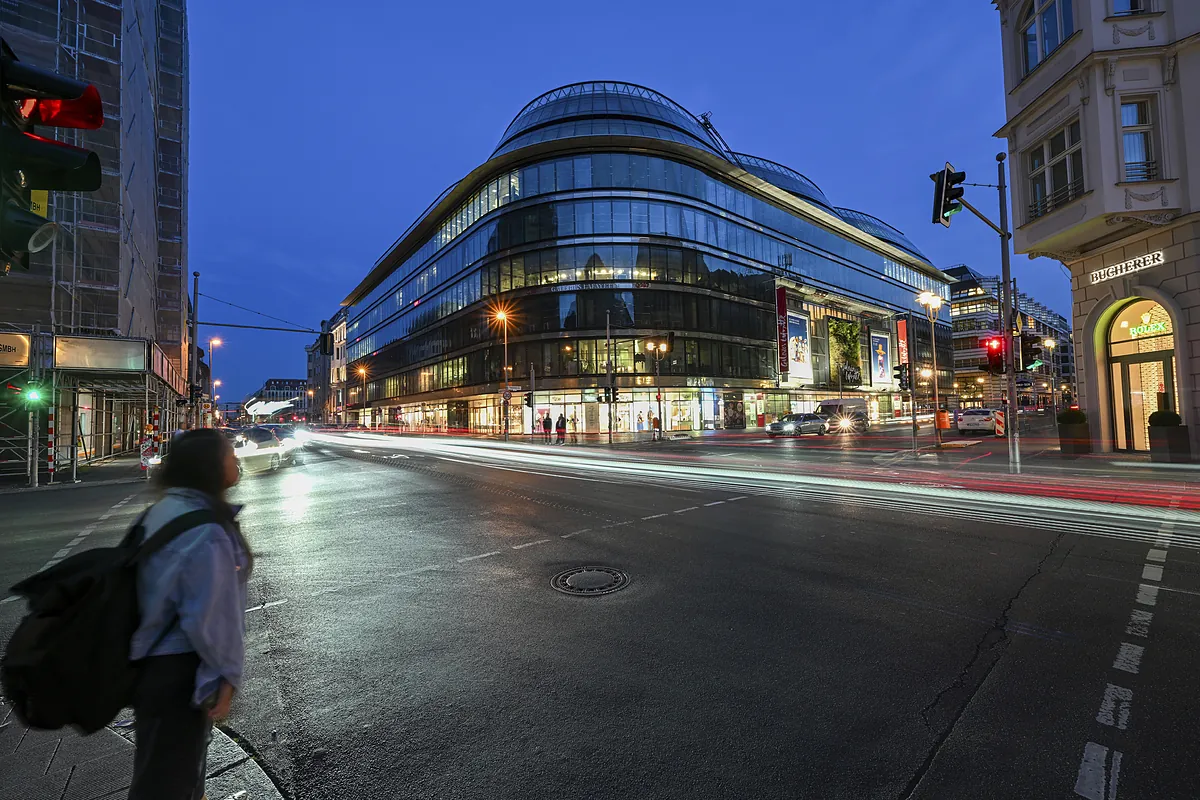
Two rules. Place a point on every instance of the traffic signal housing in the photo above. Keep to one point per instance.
(994, 346)
(901, 375)
(32, 96)
(529, 399)
(947, 192)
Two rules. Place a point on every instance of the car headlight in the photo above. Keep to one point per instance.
(788, 426)
(845, 423)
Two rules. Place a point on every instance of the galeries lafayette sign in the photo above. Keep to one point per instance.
(1125, 267)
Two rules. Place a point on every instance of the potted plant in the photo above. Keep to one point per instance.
(1074, 439)
(1169, 438)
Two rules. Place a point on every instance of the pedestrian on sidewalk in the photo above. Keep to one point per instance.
(574, 426)
(547, 424)
(656, 425)
(560, 428)
(190, 640)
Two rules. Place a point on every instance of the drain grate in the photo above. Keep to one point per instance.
(590, 581)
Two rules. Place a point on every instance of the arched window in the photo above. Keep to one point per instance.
(1044, 26)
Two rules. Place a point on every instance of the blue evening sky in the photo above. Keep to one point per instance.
(320, 130)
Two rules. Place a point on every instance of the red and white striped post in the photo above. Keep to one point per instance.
(50, 441)
(156, 436)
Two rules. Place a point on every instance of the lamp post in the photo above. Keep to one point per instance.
(362, 373)
(658, 350)
(1050, 344)
(212, 344)
(932, 303)
(502, 317)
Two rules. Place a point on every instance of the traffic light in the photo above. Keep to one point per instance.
(529, 399)
(326, 344)
(32, 96)
(947, 192)
(900, 374)
(995, 355)
(616, 396)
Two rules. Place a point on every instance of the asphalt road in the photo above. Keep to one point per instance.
(781, 635)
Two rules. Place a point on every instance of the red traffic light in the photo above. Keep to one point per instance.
(993, 344)
(85, 111)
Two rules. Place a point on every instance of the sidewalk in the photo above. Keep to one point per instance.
(122, 469)
(66, 766)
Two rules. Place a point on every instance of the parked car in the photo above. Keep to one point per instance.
(850, 422)
(797, 424)
(976, 419)
(259, 448)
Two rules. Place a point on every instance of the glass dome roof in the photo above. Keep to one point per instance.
(785, 178)
(880, 230)
(599, 108)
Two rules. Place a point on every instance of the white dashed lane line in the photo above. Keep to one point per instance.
(654, 516)
(714, 503)
(685, 510)
(260, 607)
(529, 544)
(1151, 572)
(476, 558)
(1114, 710)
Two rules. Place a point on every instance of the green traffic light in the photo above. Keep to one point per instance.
(33, 395)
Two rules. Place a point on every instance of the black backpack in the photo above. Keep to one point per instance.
(68, 661)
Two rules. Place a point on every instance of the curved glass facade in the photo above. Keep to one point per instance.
(647, 242)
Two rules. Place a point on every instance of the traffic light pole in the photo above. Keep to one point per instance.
(1010, 415)
(1011, 426)
(192, 344)
(912, 388)
(608, 352)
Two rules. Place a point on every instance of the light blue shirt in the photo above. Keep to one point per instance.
(198, 578)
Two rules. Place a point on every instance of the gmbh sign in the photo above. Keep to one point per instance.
(14, 350)
(1126, 267)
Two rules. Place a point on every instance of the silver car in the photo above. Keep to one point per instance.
(797, 425)
(981, 420)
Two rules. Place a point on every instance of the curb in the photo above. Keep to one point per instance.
(234, 771)
(79, 485)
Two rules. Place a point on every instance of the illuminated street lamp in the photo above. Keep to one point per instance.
(362, 373)
(1050, 344)
(501, 316)
(932, 303)
(213, 343)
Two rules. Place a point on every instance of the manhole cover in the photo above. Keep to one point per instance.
(590, 580)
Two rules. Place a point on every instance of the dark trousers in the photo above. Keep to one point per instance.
(172, 735)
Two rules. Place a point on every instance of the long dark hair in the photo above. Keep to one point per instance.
(197, 461)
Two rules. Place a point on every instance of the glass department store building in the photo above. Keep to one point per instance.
(610, 203)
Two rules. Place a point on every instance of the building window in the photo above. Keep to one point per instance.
(1125, 8)
(1044, 27)
(1137, 140)
(1055, 171)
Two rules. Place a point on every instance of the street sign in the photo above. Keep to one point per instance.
(147, 451)
(507, 395)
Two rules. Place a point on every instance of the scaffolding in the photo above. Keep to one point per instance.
(118, 261)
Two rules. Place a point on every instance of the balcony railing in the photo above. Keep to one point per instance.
(1141, 170)
(1056, 199)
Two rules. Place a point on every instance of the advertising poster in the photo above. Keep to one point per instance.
(881, 362)
(781, 329)
(902, 339)
(800, 367)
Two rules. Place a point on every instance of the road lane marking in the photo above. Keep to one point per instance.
(739, 497)
(61, 554)
(476, 558)
(260, 607)
(418, 570)
(1097, 780)
(1152, 573)
(685, 510)
(574, 533)
(12, 598)
(1114, 709)
(1147, 595)
(714, 503)
(529, 544)
(1129, 658)
(1157, 555)
(1139, 623)
(105, 516)
(654, 516)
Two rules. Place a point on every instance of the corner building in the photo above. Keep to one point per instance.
(1104, 135)
(608, 203)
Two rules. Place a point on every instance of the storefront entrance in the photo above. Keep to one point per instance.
(1141, 364)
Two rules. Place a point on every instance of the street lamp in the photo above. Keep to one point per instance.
(658, 350)
(362, 373)
(932, 303)
(213, 343)
(1050, 344)
(501, 316)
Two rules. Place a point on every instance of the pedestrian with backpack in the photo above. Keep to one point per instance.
(155, 622)
(190, 639)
